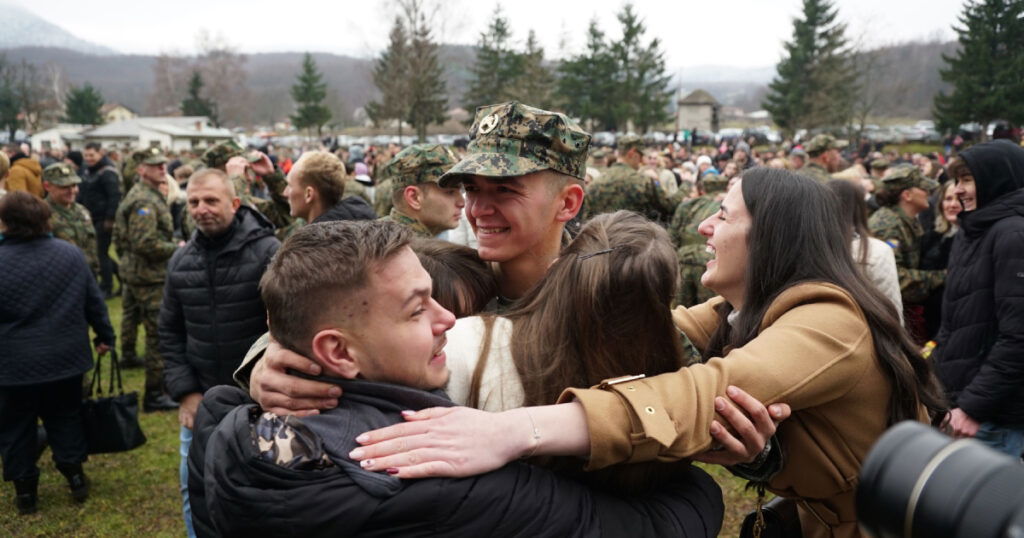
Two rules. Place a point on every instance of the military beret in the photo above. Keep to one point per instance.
(61, 175)
(822, 143)
(905, 176)
(512, 139)
(418, 164)
(219, 155)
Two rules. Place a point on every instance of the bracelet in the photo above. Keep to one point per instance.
(536, 435)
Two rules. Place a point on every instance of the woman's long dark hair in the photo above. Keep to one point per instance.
(853, 212)
(795, 238)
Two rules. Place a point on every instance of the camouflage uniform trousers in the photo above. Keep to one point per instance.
(692, 264)
(144, 304)
(129, 325)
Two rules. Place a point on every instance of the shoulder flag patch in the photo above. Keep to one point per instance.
(143, 211)
(894, 243)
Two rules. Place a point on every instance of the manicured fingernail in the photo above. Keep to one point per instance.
(334, 392)
(776, 411)
(714, 428)
(732, 391)
(719, 404)
(330, 404)
(362, 438)
(392, 471)
(356, 454)
(408, 413)
(366, 463)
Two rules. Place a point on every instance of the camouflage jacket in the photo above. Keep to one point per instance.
(622, 187)
(355, 188)
(276, 209)
(816, 172)
(688, 215)
(74, 225)
(903, 233)
(144, 236)
(414, 225)
(382, 202)
(693, 259)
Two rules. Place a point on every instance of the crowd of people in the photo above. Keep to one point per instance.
(365, 340)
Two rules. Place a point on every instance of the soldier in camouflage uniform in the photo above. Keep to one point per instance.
(623, 187)
(424, 207)
(382, 197)
(823, 150)
(229, 157)
(144, 240)
(692, 249)
(903, 196)
(69, 220)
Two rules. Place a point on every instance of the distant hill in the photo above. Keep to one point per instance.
(22, 28)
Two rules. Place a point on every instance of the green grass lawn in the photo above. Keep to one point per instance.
(136, 493)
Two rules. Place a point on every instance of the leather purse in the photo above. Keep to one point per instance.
(111, 422)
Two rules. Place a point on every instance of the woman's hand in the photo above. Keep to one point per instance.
(754, 424)
(277, 391)
(445, 441)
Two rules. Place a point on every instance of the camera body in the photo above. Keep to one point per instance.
(917, 482)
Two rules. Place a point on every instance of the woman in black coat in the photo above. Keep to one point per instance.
(48, 301)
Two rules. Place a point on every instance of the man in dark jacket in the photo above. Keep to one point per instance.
(212, 311)
(100, 193)
(316, 185)
(980, 352)
(371, 324)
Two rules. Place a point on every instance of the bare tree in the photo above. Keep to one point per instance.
(170, 84)
(223, 70)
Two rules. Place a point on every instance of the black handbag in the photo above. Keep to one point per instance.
(776, 518)
(111, 422)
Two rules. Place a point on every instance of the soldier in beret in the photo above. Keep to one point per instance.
(420, 203)
(70, 220)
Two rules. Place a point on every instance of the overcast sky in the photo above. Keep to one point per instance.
(742, 33)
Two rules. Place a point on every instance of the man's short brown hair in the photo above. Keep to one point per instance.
(314, 275)
(217, 174)
(24, 215)
(325, 173)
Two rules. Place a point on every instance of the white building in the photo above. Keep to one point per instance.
(65, 136)
(168, 133)
(115, 112)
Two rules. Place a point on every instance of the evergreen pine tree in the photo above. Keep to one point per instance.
(816, 82)
(309, 92)
(536, 85)
(585, 81)
(641, 89)
(986, 71)
(391, 76)
(83, 105)
(427, 90)
(497, 68)
(195, 104)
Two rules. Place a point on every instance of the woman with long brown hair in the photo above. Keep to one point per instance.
(796, 321)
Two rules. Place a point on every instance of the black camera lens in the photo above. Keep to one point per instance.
(917, 482)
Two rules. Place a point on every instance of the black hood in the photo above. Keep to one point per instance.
(997, 167)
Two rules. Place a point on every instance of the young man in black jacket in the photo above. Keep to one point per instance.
(100, 192)
(212, 311)
(354, 296)
(980, 353)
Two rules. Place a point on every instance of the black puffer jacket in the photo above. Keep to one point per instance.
(351, 208)
(212, 311)
(236, 491)
(100, 191)
(980, 353)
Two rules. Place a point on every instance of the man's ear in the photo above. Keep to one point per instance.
(570, 200)
(413, 197)
(331, 349)
(309, 193)
(236, 202)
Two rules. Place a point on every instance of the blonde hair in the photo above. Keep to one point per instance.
(325, 173)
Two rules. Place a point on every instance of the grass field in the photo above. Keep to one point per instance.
(136, 493)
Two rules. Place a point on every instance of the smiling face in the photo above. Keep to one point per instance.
(950, 204)
(211, 203)
(967, 191)
(726, 232)
(401, 337)
(62, 196)
(513, 216)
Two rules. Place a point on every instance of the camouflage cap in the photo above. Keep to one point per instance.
(219, 155)
(879, 164)
(714, 183)
(905, 176)
(628, 142)
(823, 142)
(153, 155)
(599, 153)
(418, 164)
(61, 175)
(512, 139)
